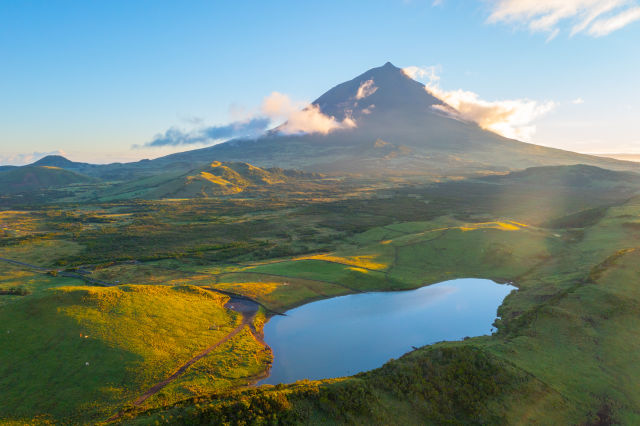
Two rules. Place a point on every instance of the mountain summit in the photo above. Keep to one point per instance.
(386, 89)
(397, 131)
(394, 130)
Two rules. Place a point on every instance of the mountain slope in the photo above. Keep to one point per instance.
(398, 132)
(216, 179)
(34, 178)
(579, 176)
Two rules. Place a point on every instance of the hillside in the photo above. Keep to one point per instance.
(215, 179)
(580, 175)
(35, 178)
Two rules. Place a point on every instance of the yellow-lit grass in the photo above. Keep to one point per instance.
(254, 290)
(503, 226)
(278, 293)
(147, 274)
(231, 365)
(16, 223)
(42, 252)
(105, 346)
(363, 261)
(12, 276)
(164, 325)
(215, 179)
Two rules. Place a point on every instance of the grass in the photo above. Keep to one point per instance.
(564, 353)
(567, 336)
(43, 253)
(331, 273)
(278, 293)
(80, 353)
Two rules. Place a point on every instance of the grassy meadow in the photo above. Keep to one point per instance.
(563, 353)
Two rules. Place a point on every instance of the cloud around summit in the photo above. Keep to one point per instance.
(511, 118)
(295, 118)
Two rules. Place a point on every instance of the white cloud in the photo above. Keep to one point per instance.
(595, 17)
(299, 117)
(369, 109)
(20, 159)
(509, 118)
(577, 101)
(606, 26)
(367, 88)
(423, 73)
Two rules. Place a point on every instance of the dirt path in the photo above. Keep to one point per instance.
(158, 386)
(15, 262)
(155, 388)
(60, 273)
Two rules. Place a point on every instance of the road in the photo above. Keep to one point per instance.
(59, 273)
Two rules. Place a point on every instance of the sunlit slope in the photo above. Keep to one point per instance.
(215, 179)
(34, 178)
(78, 354)
(398, 131)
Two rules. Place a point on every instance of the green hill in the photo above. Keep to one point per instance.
(579, 176)
(216, 179)
(34, 178)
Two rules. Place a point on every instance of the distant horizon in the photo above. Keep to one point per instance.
(625, 156)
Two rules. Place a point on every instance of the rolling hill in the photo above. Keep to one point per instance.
(34, 178)
(580, 176)
(215, 179)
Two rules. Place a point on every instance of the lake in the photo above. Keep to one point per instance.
(346, 335)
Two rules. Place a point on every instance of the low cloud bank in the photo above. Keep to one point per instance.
(207, 135)
(299, 118)
(509, 118)
(296, 118)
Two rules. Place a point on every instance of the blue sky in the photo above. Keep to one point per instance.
(94, 79)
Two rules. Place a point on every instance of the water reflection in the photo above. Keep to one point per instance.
(345, 335)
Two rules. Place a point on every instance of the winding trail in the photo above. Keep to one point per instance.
(158, 386)
(248, 308)
(60, 273)
(155, 388)
(15, 262)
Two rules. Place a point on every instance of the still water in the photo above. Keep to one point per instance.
(349, 334)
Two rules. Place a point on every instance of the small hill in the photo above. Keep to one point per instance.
(578, 176)
(34, 178)
(57, 161)
(216, 179)
(225, 179)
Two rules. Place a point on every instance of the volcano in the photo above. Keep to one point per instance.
(400, 129)
(397, 128)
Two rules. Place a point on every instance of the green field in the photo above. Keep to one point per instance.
(564, 352)
(82, 353)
